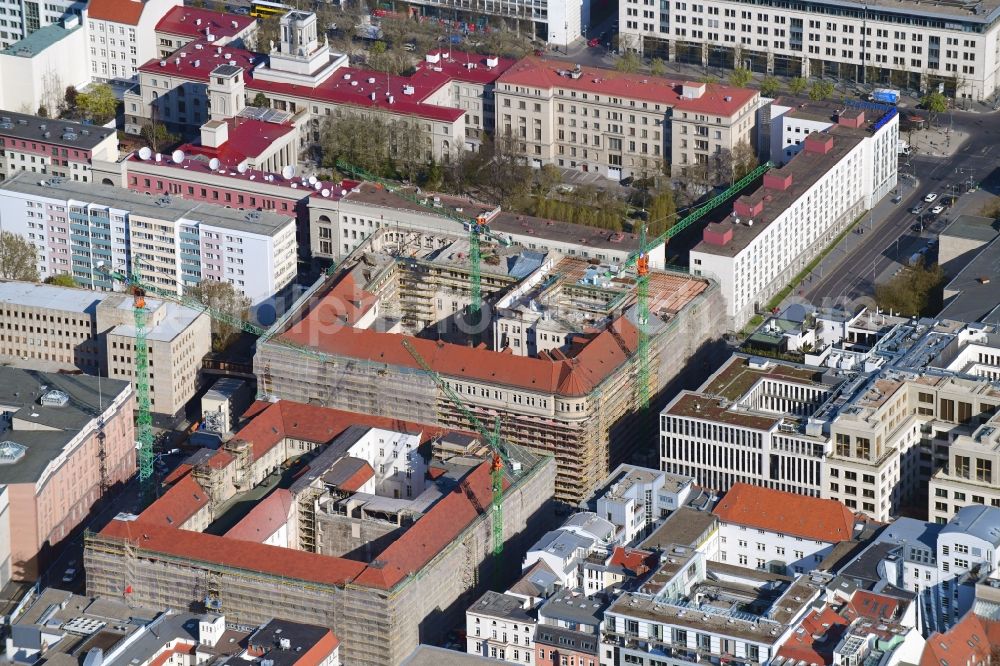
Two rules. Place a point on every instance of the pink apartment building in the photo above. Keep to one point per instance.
(65, 441)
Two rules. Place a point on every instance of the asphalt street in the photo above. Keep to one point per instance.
(853, 268)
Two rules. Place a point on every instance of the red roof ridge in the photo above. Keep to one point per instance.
(787, 513)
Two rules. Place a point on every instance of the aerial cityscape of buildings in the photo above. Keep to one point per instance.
(555, 333)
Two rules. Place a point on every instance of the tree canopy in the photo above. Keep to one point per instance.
(61, 280)
(224, 297)
(98, 104)
(917, 290)
(18, 258)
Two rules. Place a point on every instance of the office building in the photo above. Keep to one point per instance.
(637, 499)
(52, 147)
(449, 96)
(182, 25)
(171, 243)
(93, 331)
(616, 124)
(829, 178)
(908, 44)
(376, 546)
(121, 35)
(65, 442)
(570, 393)
(43, 63)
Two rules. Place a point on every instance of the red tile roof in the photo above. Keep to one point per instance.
(432, 532)
(604, 353)
(541, 73)
(181, 501)
(786, 513)
(284, 562)
(183, 21)
(637, 562)
(248, 138)
(875, 607)
(167, 655)
(319, 651)
(821, 631)
(965, 644)
(348, 85)
(116, 11)
(266, 518)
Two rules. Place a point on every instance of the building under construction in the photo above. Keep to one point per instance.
(377, 528)
(555, 357)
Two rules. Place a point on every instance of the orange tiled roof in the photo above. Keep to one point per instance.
(181, 501)
(635, 561)
(822, 629)
(319, 651)
(787, 513)
(965, 644)
(117, 11)
(264, 519)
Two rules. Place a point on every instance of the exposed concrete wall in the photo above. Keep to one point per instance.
(354, 538)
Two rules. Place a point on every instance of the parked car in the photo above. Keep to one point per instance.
(595, 42)
(916, 210)
(70, 575)
(937, 210)
(897, 198)
(931, 197)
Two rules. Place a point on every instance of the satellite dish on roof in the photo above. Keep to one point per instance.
(177, 156)
(318, 186)
(214, 163)
(312, 180)
(288, 172)
(145, 153)
(325, 192)
(242, 167)
(295, 185)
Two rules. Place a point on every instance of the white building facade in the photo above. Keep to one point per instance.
(122, 36)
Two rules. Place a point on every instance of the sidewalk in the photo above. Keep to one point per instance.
(938, 141)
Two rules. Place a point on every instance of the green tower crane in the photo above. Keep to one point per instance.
(500, 465)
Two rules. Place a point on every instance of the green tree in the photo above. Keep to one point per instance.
(935, 103)
(42, 112)
(662, 213)
(798, 85)
(260, 101)
(18, 259)
(770, 86)
(917, 290)
(224, 297)
(98, 104)
(657, 67)
(70, 99)
(547, 178)
(820, 90)
(61, 280)
(741, 77)
(629, 62)
(157, 136)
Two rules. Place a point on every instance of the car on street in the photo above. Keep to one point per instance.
(243, 11)
(897, 198)
(937, 210)
(931, 197)
(917, 227)
(70, 575)
(916, 210)
(593, 43)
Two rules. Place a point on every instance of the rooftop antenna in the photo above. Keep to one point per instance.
(214, 164)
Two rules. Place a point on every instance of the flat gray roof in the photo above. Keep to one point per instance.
(33, 128)
(21, 389)
(176, 321)
(972, 227)
(51, 297)
(978, 287)
(683, 527)
(427, 655)
(496, 604)
(162, 207)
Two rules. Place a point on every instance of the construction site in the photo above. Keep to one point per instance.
(382, 529)
(571, 357)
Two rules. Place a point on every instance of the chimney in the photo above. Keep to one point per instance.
(819, 143)
(692, 90)
(776, 180)
(851, 118)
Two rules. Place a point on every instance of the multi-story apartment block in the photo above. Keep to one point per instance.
(448, 98)
(121, 35)
(637, 499)
(169, 242)
(835, 176)
(95, 332)
(779, 531)
(52, 147)
(871, 421)
(618, 125)
(65, 441)
(182, 25)
(568, 630)
(910, 44)
(20, 19)
(499, 626)
(43, 64)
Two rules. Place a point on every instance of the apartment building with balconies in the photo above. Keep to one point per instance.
(616, 124)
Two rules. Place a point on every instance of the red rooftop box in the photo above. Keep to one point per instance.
(717, 234)
(851, 118)
(776, 180)
(744, 207)
(819, 143)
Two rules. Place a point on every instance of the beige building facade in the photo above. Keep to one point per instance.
(619, 125)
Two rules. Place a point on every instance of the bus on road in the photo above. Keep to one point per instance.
(264, 9)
